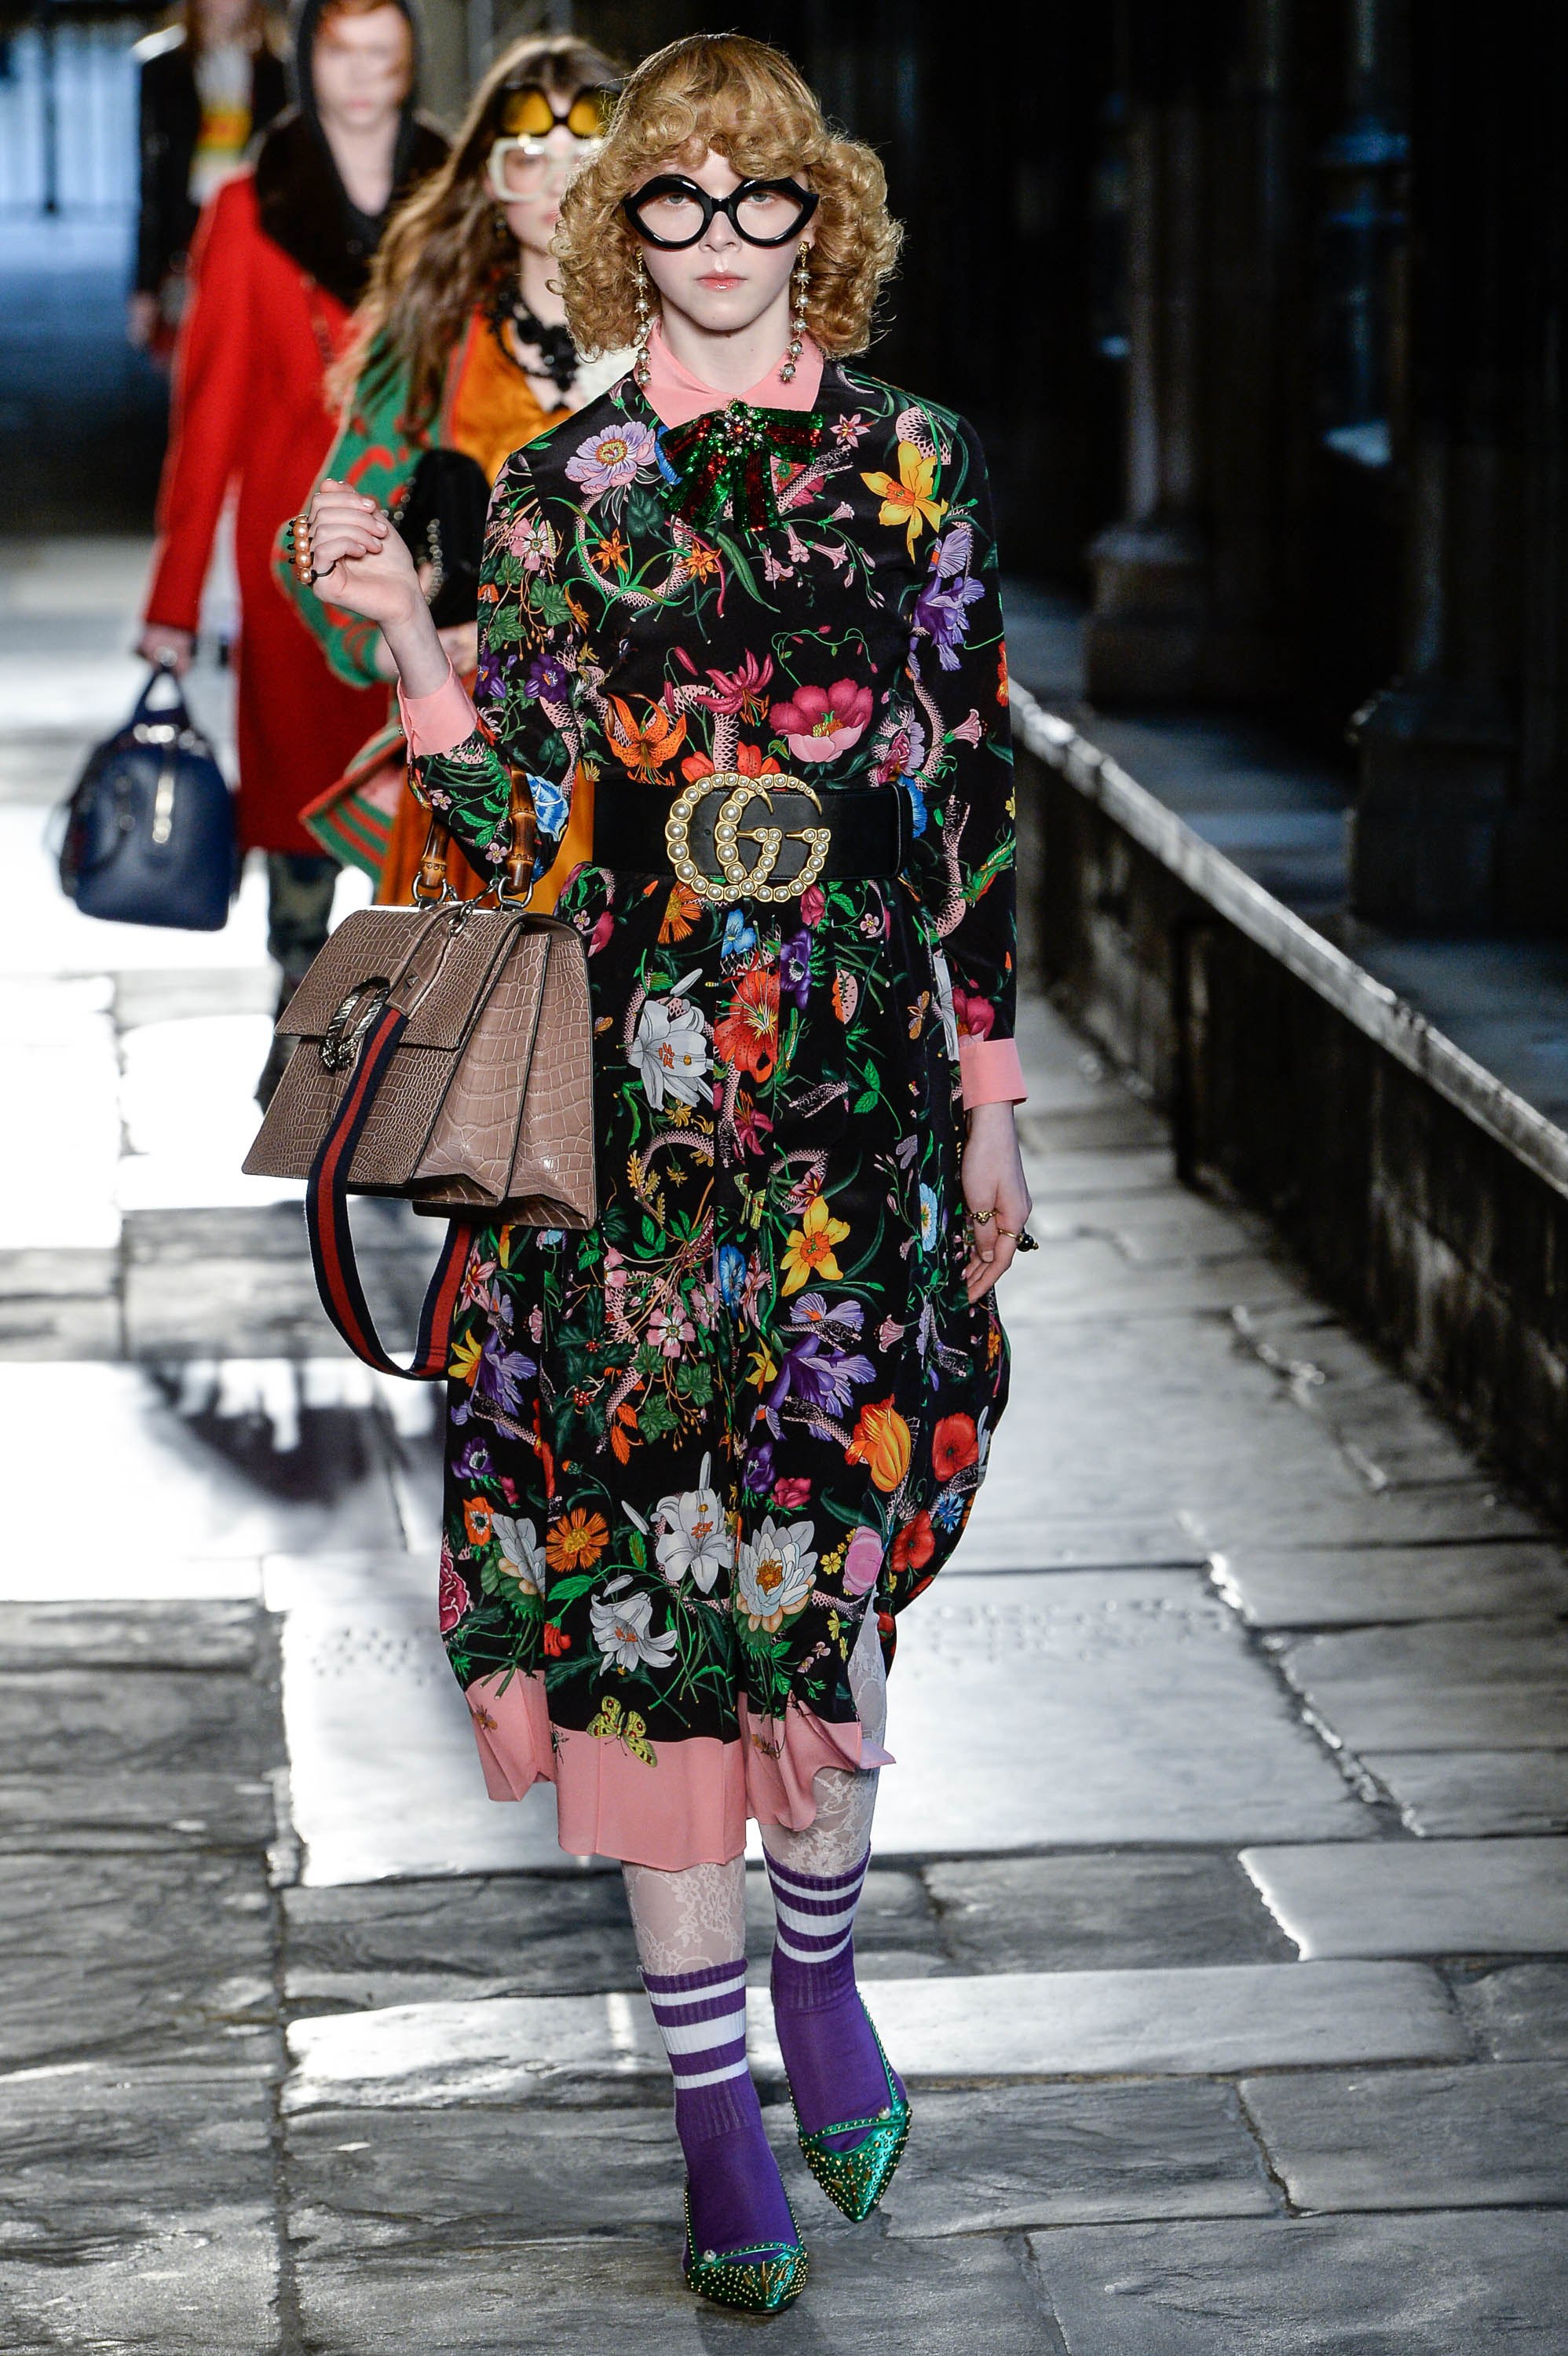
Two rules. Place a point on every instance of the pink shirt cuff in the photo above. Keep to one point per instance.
(437, 723)
(991, 1071)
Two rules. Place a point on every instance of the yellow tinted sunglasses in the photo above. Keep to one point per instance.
(530, 112)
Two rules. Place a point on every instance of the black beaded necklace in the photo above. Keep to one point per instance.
(558, 353)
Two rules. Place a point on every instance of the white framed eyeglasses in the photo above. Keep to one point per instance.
(526, 166)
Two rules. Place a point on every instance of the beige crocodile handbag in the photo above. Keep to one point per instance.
(443, 1054)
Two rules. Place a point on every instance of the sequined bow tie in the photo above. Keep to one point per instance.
(727, 454)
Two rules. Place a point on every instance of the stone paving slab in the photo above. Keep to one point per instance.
(210, 1635)
(1459, 1685)
(1090, 1174)
(366, 1944)
(1087, 1276)
(133, 1812)
(1057, 1913)
(1031, 2025)
(1476, 1791)
(1003, 1693)
(1086, 1542)
(95, 2155)
(474, 2178)
(1207, 1749)
(1028, 2156)
(1376, 1518)
(1115, 1123)
(1419, 1897)
(540, 2300)
(132, 1951)
(361, 1652)
(202, 1309)
(52, 1327)
(113, 1722)
(203, 2279)
(1476, 2137)
(1316, 1586)
(1462, 2283)
(241, 1460)
(1519, 2011)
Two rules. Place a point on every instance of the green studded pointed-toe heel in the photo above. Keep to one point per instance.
(760, 2280)
(856, 2179)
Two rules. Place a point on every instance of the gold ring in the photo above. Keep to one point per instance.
(300, 548)
(978, 1218)
(1011, 1234)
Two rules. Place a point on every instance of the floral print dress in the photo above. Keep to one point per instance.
(691, 1450)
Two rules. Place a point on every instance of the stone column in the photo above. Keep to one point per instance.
(1193, 593)
(1145, 632)
(1439, 748)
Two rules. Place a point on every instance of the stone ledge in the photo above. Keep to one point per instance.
(1375, 1010)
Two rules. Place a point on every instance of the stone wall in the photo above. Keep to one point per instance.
(1428, 1200)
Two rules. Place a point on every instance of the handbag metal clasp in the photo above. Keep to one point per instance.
(342, 1039)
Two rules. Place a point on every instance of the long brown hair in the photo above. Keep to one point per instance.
(449, 248)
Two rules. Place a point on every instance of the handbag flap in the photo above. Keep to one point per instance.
(439, 963)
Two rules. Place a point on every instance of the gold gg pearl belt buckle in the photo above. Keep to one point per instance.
(741, 878)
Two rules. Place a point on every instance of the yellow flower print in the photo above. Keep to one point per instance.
(465, 1359)
(809, 1251)
(909, 501)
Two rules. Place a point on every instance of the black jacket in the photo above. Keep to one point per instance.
(170, 121)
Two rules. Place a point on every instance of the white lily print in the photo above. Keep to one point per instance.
(620, 1623)
(520, 1552)
(774, 1572)
(694, 1534)
(670, 1049)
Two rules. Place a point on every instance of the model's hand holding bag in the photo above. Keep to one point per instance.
(441, 1054)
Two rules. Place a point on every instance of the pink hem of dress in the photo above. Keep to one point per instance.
(691, 1809)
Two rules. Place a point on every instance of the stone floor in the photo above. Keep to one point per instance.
(1221, 1916)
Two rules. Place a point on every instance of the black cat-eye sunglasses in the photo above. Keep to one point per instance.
(672, 212)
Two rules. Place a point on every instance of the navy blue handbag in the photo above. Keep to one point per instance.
(149, 829)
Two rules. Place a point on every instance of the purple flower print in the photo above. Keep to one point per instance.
(472, 1461)
(611, 458)
(758, 1469)
(942, 608)
(547, 680)
(502, 1374)
(795, 970)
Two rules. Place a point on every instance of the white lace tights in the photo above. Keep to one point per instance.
(691, 1920)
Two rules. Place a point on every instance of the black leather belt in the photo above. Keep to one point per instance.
(734, 837)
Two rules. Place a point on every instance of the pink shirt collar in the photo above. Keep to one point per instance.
(675, 395)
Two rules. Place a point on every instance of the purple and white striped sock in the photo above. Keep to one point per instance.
(736, 2193)
(827, 2041)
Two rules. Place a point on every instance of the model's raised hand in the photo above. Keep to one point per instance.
(359, 560)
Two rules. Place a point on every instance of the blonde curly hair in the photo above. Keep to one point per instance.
(746, 102)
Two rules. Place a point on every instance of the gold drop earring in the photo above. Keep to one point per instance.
(645, 323)
(802, 279)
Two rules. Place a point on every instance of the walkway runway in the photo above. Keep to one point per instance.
(1220, 1916)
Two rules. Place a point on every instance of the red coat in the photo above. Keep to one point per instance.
(249, 413)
